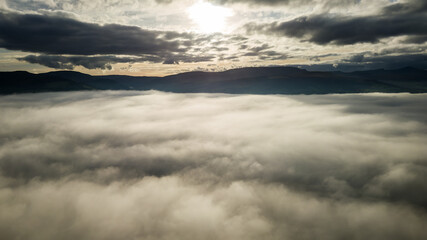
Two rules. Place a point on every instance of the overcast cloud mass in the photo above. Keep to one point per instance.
(154, 165)
(163, 37)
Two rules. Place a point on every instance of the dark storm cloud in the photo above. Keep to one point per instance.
(409, 19)
(58, 35)
(157, 165)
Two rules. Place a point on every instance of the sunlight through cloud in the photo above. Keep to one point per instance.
(208, 17)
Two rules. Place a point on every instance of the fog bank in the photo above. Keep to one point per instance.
(155, 165)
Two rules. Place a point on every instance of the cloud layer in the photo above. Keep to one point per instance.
(138, 36)
(105, 61)
(61, 35)
(395, 20)
(153, 165)
(58, 35)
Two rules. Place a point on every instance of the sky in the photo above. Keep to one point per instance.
(162, 37)
(155, 165)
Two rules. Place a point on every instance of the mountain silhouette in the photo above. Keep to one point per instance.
(254, 80)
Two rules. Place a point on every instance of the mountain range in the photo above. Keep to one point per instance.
(253, 80)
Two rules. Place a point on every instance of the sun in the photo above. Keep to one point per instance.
(208, 17)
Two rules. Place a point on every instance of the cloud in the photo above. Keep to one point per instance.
(30, 4)
(154, 165)
(65, 43)
(58, 35)
(267, 2)
(291, 2)
(67, 4)
(263, 52)
(165, 208)
(89, 45)
(104, 62)
(410, 6)
(76, 4)
(371, 61)
(62, 62)
(399, 19)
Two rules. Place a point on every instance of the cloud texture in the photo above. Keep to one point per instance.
(153, 165)
(400, 19)
(110, 35)
(90, 42)
(58, 35)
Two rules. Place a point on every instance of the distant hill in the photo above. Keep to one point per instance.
(257, 80)
(25, 82)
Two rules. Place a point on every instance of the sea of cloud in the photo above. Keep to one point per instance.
(155, 165)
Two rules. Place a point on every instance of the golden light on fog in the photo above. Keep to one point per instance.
(208, 17)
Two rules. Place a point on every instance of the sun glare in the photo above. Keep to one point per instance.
(208, 17)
